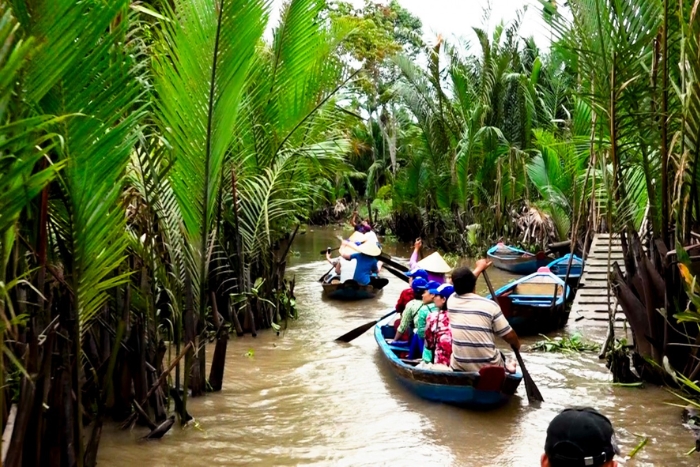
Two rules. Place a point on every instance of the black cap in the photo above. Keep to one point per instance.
(580, 436)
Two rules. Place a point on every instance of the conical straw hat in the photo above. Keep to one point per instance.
(370, 237)
(434, 263)
(357, 237)
(370, 248)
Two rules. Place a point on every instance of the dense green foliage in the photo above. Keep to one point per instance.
(156, 158)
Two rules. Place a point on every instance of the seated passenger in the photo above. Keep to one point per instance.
(438, 337)
(427, 308)
(365, 254)
(410, 313)
(406, 296)
(343, 269)
(474, 321)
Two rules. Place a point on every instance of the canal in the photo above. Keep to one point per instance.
(302, 399)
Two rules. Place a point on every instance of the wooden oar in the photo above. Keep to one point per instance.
(328, 250)
(398, 274)
(357, 332)
(533, 393)
(324, 276)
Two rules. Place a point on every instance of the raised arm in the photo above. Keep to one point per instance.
(481, 266)
(414, 257)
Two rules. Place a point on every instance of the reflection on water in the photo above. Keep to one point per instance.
(302, 399)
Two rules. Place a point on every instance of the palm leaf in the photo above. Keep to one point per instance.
(200, 76)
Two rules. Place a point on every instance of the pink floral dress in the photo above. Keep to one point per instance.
(438, 338)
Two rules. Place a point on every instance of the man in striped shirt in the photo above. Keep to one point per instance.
(474, 322)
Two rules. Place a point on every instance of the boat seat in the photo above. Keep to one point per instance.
(537, 289)
(533, 302)
(491, 378)
(398, 348)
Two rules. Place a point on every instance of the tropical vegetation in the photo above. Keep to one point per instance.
(157, 160)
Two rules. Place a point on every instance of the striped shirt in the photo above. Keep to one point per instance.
(474, 321)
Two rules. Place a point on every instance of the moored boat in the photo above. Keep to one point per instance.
(351, 290)
(529, 303)
(560, 265)
(515, 260)
(490, 388)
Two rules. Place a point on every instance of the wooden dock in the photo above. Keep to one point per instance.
(591, 300)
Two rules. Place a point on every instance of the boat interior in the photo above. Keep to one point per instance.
(530, 294)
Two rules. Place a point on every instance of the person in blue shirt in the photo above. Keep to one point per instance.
(366, 255)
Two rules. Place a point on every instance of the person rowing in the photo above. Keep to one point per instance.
(360, 225)
(474, 323)
(434, 264)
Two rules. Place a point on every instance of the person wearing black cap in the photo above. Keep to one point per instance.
(580, 437)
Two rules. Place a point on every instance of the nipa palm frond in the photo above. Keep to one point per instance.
(105, 88)
(200, 76)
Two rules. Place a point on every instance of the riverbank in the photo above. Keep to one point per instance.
(302, 399)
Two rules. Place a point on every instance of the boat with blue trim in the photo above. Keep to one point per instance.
(560, 265)
(351, 290)
(488, 389)
(515, 260)
(535, 304)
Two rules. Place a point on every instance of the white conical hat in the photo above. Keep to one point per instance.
(434, 263)
(357, 237)
(370, 248)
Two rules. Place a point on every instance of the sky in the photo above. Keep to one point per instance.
(456, 18)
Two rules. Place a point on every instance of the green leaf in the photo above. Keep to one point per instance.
(200, 74)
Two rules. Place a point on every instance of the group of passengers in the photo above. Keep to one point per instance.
(448, 326)
(357, 260)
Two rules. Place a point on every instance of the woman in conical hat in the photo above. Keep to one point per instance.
(434, 264)
(366, 255)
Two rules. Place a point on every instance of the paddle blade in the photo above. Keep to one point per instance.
(531, 389)
(357, 332)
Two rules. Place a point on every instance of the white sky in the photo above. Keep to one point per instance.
(456, 18)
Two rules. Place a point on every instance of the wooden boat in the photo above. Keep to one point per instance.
(527, 303)
(490, 388)
(515, 260)
(560, 265)
(351, 290)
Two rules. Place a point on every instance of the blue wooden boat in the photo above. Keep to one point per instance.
(350, 290)
(527, 303)
(490, 388)
(560, 265)
(515, 260)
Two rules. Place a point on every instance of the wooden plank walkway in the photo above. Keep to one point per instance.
(591, 300)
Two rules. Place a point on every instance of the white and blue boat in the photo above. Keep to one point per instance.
(515, 260)
(560, 265)
(535, 304)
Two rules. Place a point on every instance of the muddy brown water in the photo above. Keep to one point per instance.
(302, 399)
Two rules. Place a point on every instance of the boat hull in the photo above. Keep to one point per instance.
(560, 265)
(527, 303)
(351, 290)
(454, 388)
(516, 261)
